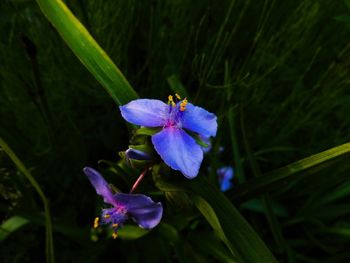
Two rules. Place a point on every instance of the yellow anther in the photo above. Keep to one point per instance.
(183, 104)
(171, 100)
(115, 225)
(96, 222)
(177, 96)
(114, 235)
(107, 216)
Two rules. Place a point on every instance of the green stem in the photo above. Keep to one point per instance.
(21, 167)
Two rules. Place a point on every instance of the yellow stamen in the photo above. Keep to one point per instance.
(115, 225)
(107, 216)
(183, 104)
(96, 222)
(177, 96)
(171, 100)
(114, 235)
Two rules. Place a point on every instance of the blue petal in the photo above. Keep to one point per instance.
(225, 175)
(100, 184)
(137, 154)
(226, 185)
(146, 213)
(145, 112)
(199, 120)
(178, 150)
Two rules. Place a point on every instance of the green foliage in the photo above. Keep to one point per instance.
(275, 72)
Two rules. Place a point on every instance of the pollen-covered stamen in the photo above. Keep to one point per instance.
(115, 229)
(171, 100)
(177, 96)
(96, 222)
(183, 104)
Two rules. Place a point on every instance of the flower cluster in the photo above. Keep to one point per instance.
(184, 131)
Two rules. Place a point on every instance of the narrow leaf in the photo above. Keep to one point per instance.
(176, 86)
(88, 51)
(11, 225)
(131, 232)
(245, 241)
(48, 224)
(274, 179)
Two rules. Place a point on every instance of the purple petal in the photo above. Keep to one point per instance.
(199, 120)
(146, 213)
(178, 150)
(137, 154)
(101, 186)
(145, 112)
(225, 175)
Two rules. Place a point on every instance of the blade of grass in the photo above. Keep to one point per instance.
(235, 149)
(239, 233)
(274, 179)
(11, 225)
(48, 224)
(212, 219)
(176, 86)
(274, 225)
(88, 51)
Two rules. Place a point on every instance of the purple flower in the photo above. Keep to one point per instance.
(176, 147)
(140, 208)
(225, 174)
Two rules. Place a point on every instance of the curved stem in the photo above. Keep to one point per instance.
(142, 175)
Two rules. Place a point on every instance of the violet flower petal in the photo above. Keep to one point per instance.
(137, 154)
(101, 186)
(146, 213)
(178, 150)
(199, 120)
(225, 175)
(145, 112)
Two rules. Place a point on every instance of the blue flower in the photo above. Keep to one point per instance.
(225, 174)
(146, 213)
(176, 147)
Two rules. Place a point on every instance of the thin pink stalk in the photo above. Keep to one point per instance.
(142, 175)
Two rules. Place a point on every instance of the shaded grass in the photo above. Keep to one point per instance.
(284, 64)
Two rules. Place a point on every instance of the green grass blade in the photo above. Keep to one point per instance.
(210, 215)
(245, 241)
(11, 225)
(210, 245)
(131, 232)
(88, 51)
(271, 180)
(177, 87)
(48, 224)
(274, 225)
(234, 144)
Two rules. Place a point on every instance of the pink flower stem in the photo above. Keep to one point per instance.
(142, 175)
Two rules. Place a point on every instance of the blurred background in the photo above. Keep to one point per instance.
(276, 73)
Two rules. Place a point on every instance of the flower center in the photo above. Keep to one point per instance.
(114, 217)
(176, 110)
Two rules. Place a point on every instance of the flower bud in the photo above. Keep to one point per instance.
(137, 158)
